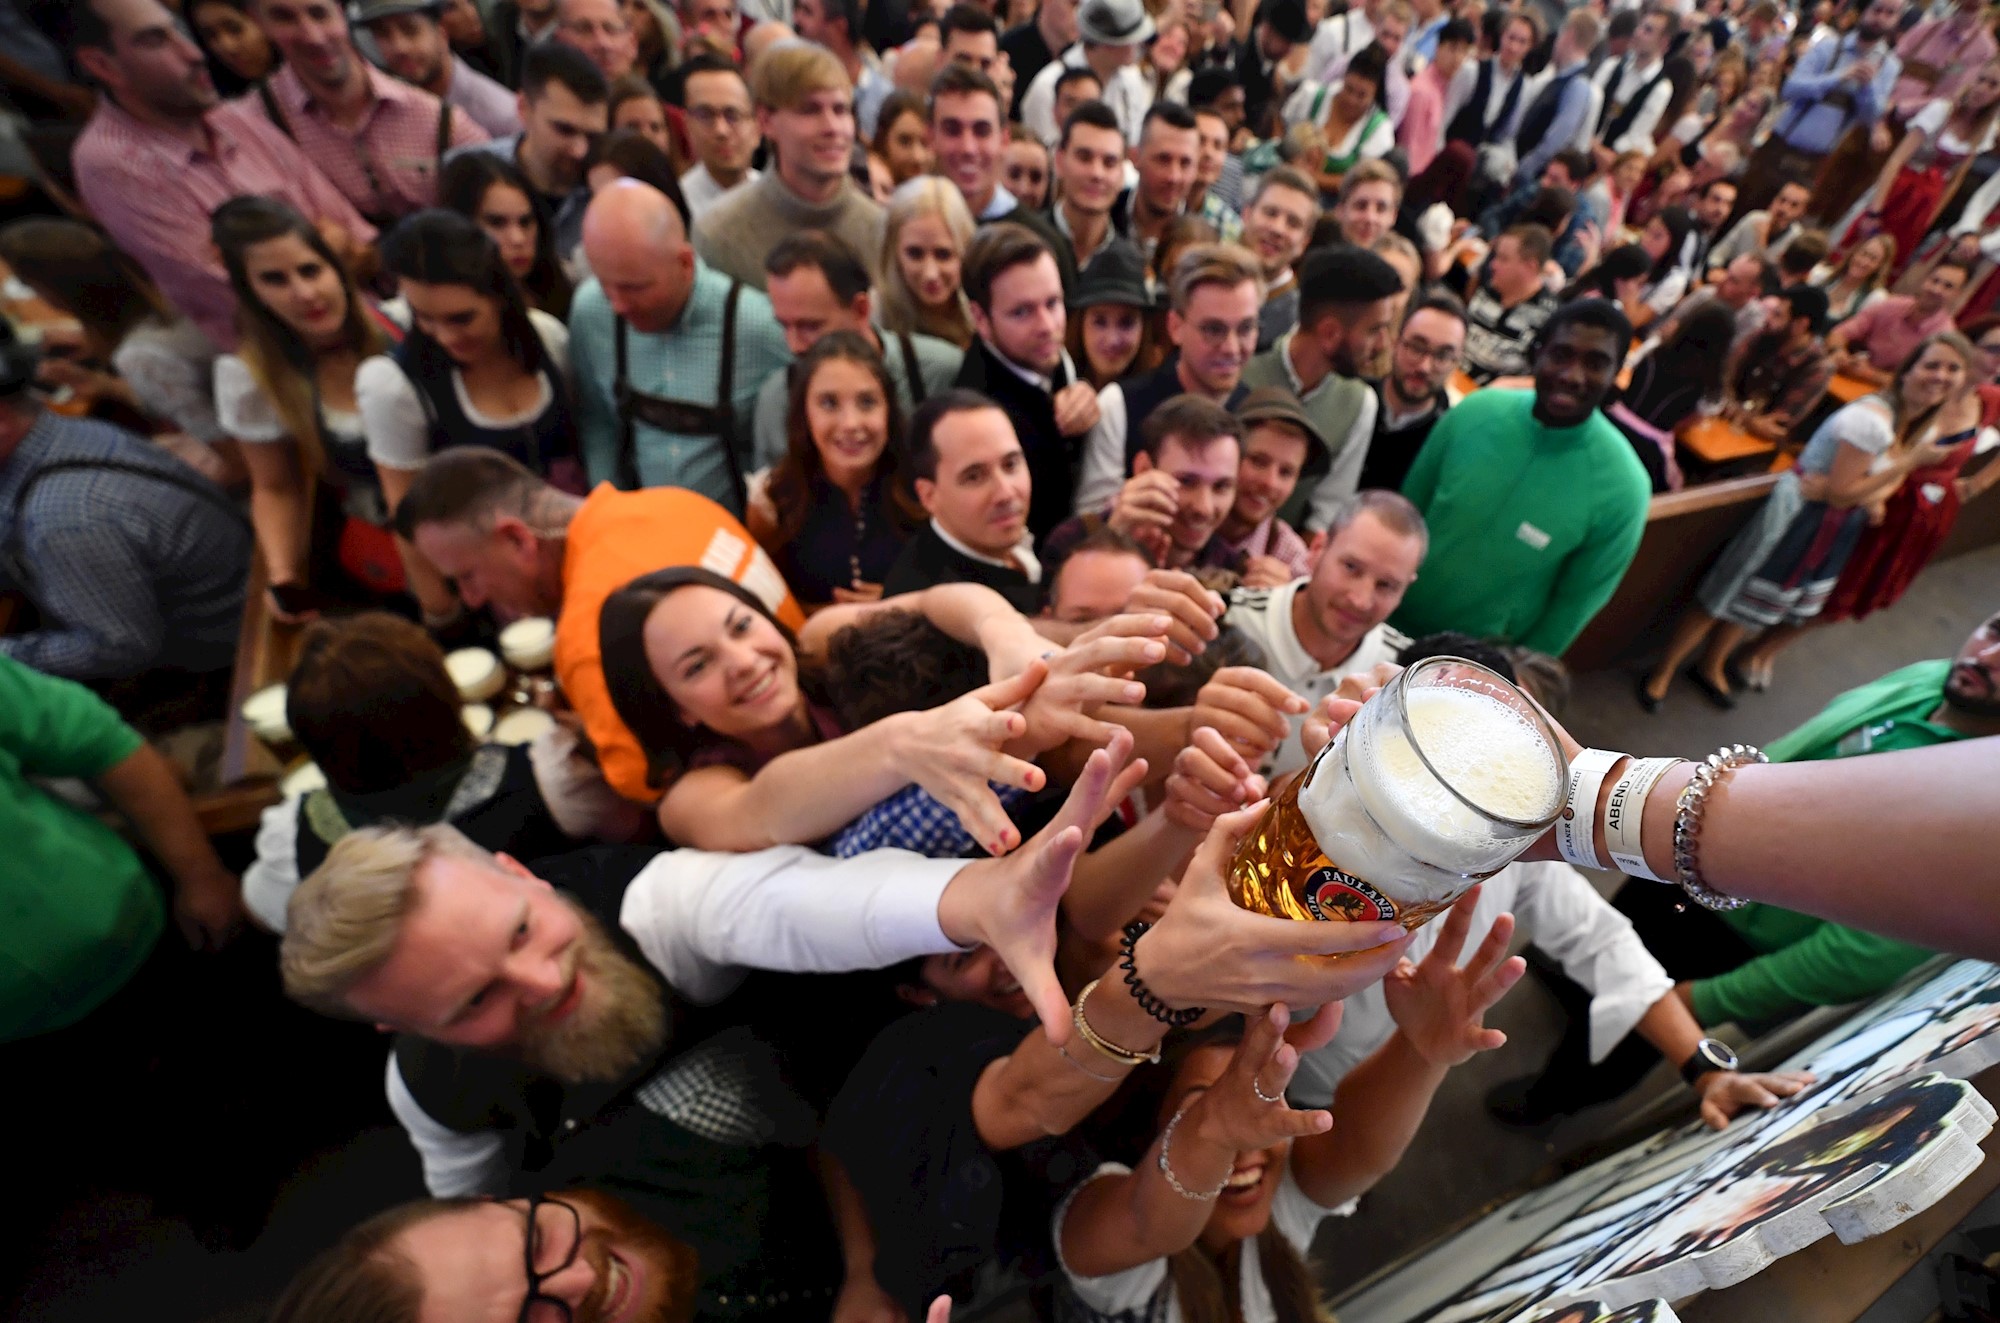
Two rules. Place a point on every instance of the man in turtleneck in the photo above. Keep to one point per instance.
(805, 107)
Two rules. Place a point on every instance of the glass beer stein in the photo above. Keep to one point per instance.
(1443, 778)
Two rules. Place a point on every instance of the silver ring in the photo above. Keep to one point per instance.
(1262, 1096)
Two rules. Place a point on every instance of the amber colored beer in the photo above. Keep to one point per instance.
(1442, 779)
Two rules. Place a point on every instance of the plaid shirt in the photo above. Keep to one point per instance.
(912, 820)
(128, 572)
(1222, 216)
(387, 164)
(1772, 379)
(153, 193)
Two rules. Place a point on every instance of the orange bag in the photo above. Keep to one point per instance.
(616, 537)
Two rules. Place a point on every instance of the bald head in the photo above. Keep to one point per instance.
(638, 247)
(916, 65)
(762, 37)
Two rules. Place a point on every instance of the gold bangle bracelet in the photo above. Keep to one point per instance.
(1124, 1056)
(1102, 1079)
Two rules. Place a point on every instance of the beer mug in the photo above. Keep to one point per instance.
(1443, 778)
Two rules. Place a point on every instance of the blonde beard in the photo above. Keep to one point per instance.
(622, 1021)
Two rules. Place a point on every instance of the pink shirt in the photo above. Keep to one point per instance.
(387, 164)
(1939, 58)
(1422, 131)
(1886, 330)
(153, 193)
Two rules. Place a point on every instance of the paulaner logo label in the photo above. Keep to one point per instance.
(1337, 897)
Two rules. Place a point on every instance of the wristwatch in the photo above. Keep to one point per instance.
(1709, 1054)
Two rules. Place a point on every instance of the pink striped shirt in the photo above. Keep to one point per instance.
(386, 165)
(153, 192)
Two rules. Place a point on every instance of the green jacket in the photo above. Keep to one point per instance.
(78, 912)
(1808, 961)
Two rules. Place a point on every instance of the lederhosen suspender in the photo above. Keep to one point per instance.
(680, 416)
(917, 391)
(276, 114)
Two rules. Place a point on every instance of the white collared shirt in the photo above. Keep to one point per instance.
(1024, 553)
(1265, 617)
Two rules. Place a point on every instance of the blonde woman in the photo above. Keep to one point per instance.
(923, 251)
(1858, 279)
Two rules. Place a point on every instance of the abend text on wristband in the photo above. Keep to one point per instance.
(1576, 829)
(1625, 815)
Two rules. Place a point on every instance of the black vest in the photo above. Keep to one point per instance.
(494, 800)
(1148, 391)
(1469, 124)
(549, 437)
(1052, 457)
(709, 1137)
(1542, 113)
(1611, 127)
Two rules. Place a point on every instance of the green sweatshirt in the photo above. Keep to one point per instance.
(78, 912)
(1531, 526)
(1808, 961)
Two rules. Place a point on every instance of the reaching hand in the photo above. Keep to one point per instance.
(209, 909)
(1438, 1004)
(1338, 708)
(1093, 671)
(1247, 707)
(1010, 904)
(1194, 609)
(1245, 1110)
(1724, 1093)
(940, 1310)
(1206, 950)
(862, 1300)
(1210, 778)
(1076, 408)
(1266, 572)
(954, 752)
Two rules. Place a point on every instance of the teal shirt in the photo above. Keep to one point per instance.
(78, 912)
(684, 365)
(1531, 526)
(1808, 961)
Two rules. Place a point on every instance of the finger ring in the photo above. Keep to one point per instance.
(1262, 1096)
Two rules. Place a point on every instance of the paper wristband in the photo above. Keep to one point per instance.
(1576, 829)
(1624, 813)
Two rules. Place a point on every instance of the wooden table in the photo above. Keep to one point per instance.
(1717, 441)
(1848, 389)
(265, 653)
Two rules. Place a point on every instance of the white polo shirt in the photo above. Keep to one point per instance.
(1265, 617)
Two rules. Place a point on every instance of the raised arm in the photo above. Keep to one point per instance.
(953, 751)
(1438, 1007)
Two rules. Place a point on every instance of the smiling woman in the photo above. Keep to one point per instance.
(478, 368)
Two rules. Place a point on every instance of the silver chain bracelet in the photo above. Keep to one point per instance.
(1708, 773)
(1166, 1170)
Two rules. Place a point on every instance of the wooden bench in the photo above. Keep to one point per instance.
(265, 653)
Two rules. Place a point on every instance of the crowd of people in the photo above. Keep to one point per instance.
(968, 457)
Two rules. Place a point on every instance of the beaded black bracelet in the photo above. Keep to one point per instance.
(1148, 1003)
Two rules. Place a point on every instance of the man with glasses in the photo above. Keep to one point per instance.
(1347, 314)
(574, 1256)
(1214, 298)
(599, 29)
(723, 128)
(599, 1022)
(805, 107)
(565, 108)
(1412, 395)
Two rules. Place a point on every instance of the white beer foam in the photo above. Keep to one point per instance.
(1490, 753)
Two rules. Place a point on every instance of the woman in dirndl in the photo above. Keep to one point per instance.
(1920, 515)
(1780, 569)
(1924, 171)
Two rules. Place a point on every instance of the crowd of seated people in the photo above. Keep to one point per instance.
(957, 450)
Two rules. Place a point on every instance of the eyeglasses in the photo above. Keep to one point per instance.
(1216, 334)
(543, 1255)
(709, 116)
(1442, 355)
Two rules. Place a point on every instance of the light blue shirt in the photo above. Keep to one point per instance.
(1810, 123)
(682, 364)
